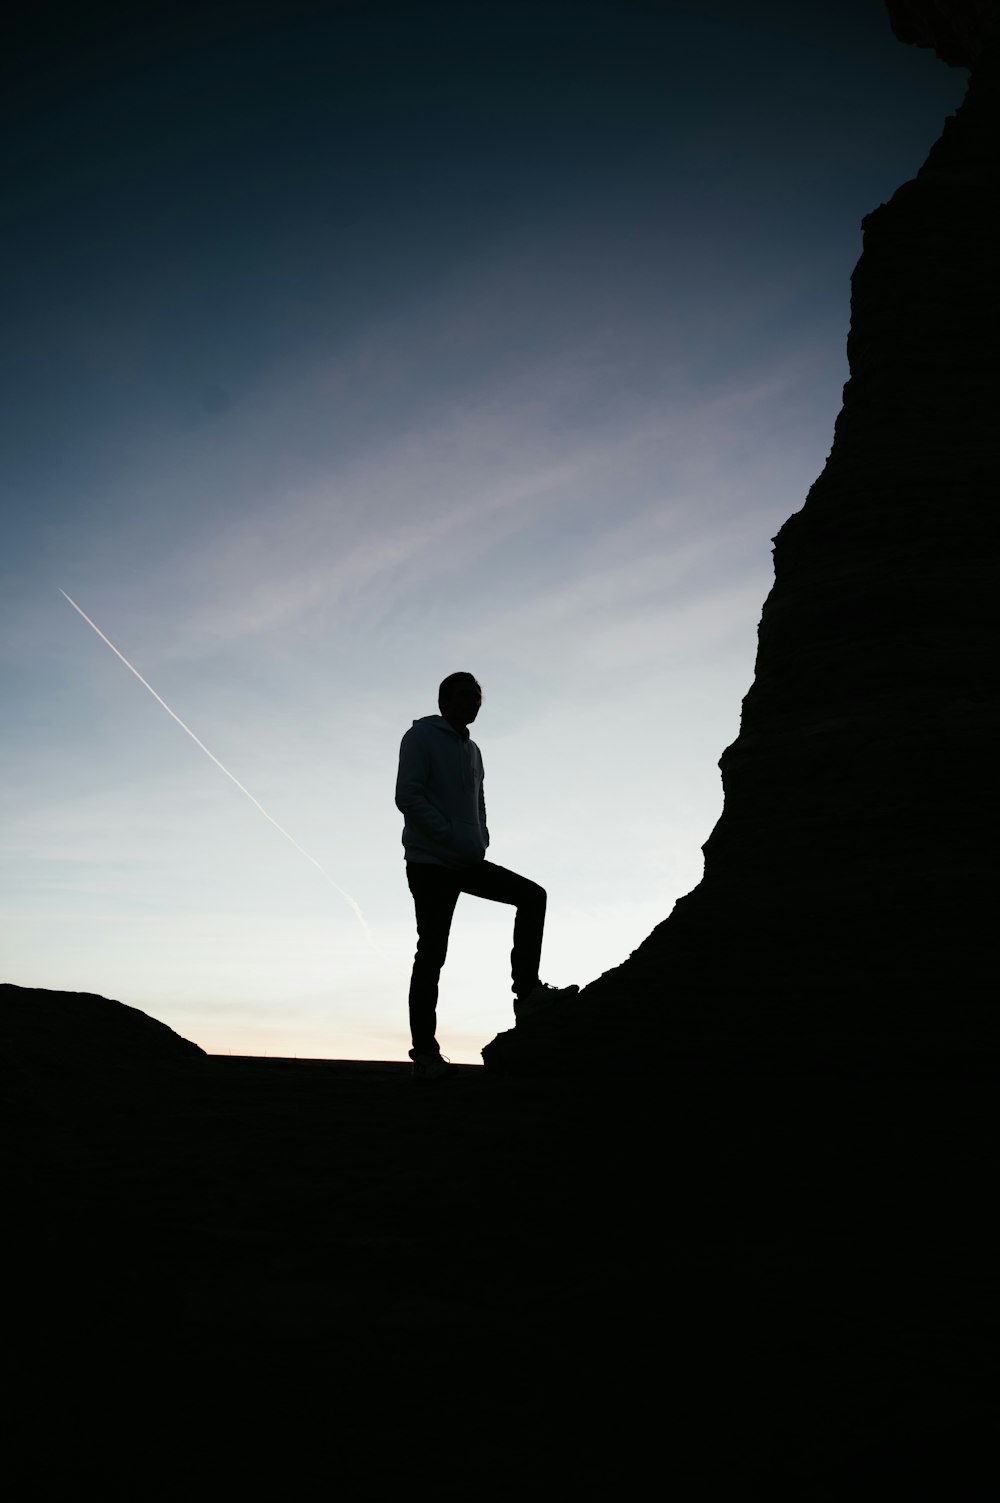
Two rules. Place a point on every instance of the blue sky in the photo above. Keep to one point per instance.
(350, 345)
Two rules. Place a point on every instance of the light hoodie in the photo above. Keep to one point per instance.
(439, 792)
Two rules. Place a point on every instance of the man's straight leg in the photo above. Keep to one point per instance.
(502, 886)
(435, 892)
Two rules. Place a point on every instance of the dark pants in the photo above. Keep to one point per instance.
(435, 892)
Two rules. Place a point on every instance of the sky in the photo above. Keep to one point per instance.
(350, 345)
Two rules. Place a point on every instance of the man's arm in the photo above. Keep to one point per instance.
(411, 789)
(482, 808)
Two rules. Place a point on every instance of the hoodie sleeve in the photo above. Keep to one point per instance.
(482, 808)
(411, 789)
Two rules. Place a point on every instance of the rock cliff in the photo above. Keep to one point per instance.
(847, 883)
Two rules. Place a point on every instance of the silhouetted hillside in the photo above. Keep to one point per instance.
(266, 1278)
(81, 1030)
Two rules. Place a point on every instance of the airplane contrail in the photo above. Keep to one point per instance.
(245, 791)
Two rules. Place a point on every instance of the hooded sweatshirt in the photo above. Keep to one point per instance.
(439, 792)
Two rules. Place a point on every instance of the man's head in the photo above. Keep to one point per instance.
(459, 698)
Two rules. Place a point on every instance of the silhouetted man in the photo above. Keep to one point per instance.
(439, 792)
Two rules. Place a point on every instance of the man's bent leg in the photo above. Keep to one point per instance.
(435, 892)
(502, 886)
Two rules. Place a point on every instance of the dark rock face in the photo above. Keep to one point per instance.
(959, 31)
(847, 885)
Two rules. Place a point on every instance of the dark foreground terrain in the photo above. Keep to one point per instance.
(264, 1278)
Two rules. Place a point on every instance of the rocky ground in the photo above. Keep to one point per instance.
(256, 1278)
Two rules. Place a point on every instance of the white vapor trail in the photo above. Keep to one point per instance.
(245, 791)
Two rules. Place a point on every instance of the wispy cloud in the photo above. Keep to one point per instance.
(351, 902)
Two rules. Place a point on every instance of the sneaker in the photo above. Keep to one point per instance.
(429, 1064)
(541, 996)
